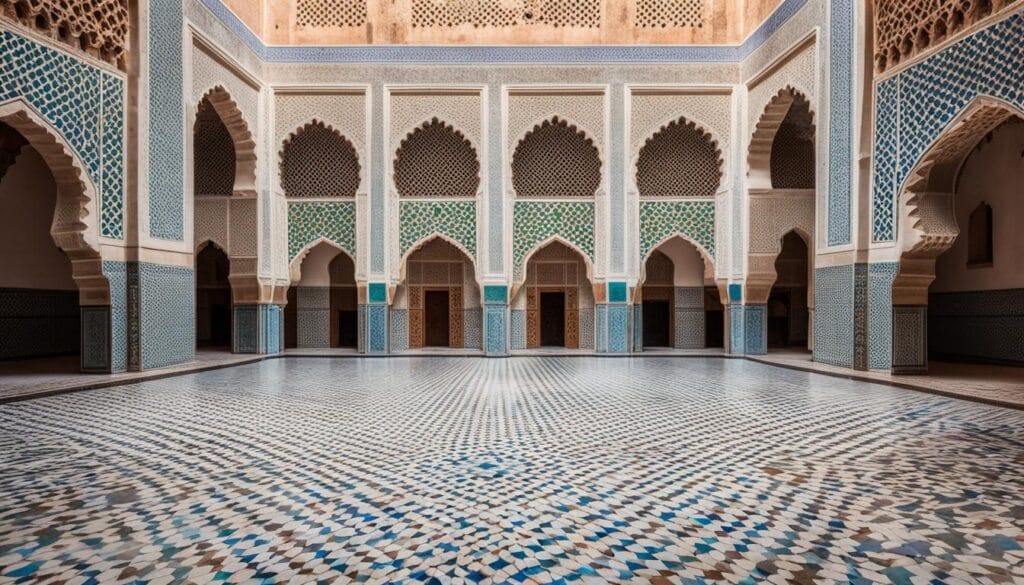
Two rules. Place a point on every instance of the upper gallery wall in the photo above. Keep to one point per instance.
(503, 22)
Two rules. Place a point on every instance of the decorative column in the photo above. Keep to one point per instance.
(734, 311)
(373, 313)
(613, 330)
(258, 329)
(496, 315)
(755, 329)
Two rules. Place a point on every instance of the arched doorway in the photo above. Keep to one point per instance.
(787, 313)
(558, 298)
(40, 314)
(958, 294)
(213, 298)
(677, 306)
(322, 310)
(439, 299)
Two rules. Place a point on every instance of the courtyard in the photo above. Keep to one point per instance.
(530, 469)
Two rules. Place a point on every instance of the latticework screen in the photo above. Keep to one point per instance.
(319, 162)
(505, 13)
(793, 154)
(214, 153)
(556, 160)
(670, 13)
(680, 160)
(435, 160)
(330, 13)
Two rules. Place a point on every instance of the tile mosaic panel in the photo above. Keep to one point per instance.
(692, 219)
(472, 323)
(537, 221)
(880, 279)
(833, 315)
(117, 277)
(618, 328)
(495, 319)
(377, 328)
(843, 47)
(308, 222)
(399, 330)
(737, 345)
(690, 332)
(167, 309)
(95, 343)
(78, 100)
(518, 331)
(982, 325)
(930, 94)
(419, 220)
(167, 121)
(910, 340)
(755, 329)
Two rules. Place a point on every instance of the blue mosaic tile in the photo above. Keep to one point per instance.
(166, 122)
(167, 309)
(833, 315)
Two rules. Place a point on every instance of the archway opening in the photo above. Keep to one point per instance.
(976, 302)
(40, 315)
(558, 298)
(788, 315)
(679, 309)
(213, 298)
(322, 309)
(439, 298)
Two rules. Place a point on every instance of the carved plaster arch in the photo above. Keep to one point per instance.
(75, 226)
(709, 261)
(295, 266)
(759, 153)
(702, 130)
(457, 134)
(245, 145)
(927, 224)
(524, 265)
(403, 263)
(569, 125)
(347, 144)
(762, 275)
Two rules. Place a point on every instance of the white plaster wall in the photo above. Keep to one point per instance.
(316, 265)
(994, 174)
(689, 264)
(28, 256)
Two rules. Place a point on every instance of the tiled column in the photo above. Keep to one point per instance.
(374, 326)
(910, 340)
(755, 329)
(638, 327)
(313, 316)
(496, 315)
(737, 344)
(689, 317)
(96, 349)
(613, 331)
(258, 329)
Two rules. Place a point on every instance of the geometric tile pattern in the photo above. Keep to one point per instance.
(333, 220)
(166, 121)
(167, 314)
(78, 100)
(419, 220)
(929, 95)
(842, 50)
(536, 221)
(880, 279)
(834, 315)
(547, 470)
(694, 220)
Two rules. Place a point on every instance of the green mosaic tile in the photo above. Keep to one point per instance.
(536, 221)
(308, 222)
(422, 219)
(692, 219)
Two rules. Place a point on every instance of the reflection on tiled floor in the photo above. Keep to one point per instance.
(526, 470)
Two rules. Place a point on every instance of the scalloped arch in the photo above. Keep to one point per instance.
(245, 145)
(556, 159)
(311, 150)
(436, 160)
(678, 155)
(759, 153)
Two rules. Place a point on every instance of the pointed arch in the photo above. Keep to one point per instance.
(787, 115)
(295, 266)
(587, 261)
(419, 244)
(927, 225)
(556, 159)
(241, 137)
(75, 226)
(436, 160)
(709, 260)
(318, 161)
(682, 158)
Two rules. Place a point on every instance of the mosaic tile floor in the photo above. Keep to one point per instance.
(532, 470)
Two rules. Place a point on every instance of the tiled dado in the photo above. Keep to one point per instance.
(373, 327)
(613, 320)
(258, 329)
(496, 320)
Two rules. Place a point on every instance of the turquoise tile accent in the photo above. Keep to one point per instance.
(496, 294)
(617, 292)
(377, 292)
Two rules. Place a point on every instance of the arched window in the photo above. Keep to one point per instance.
(556, 159)
(317, 161)
(214, 153)
(792, 162)
(980, 246)
(435, 160)
(680, 160)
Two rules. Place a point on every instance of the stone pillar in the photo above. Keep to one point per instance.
(613, 330)
(638, 325)
(258, 329)
(910, 339)
(734, 313)
(496, 315)
(313, 316)
(374, 322)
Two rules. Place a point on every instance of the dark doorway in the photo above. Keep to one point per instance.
(656, 324)
(714, 332)
(552, 319)
(788, 316)
(435, 304)
(213, 298)
(348, 329)
(291, 320)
